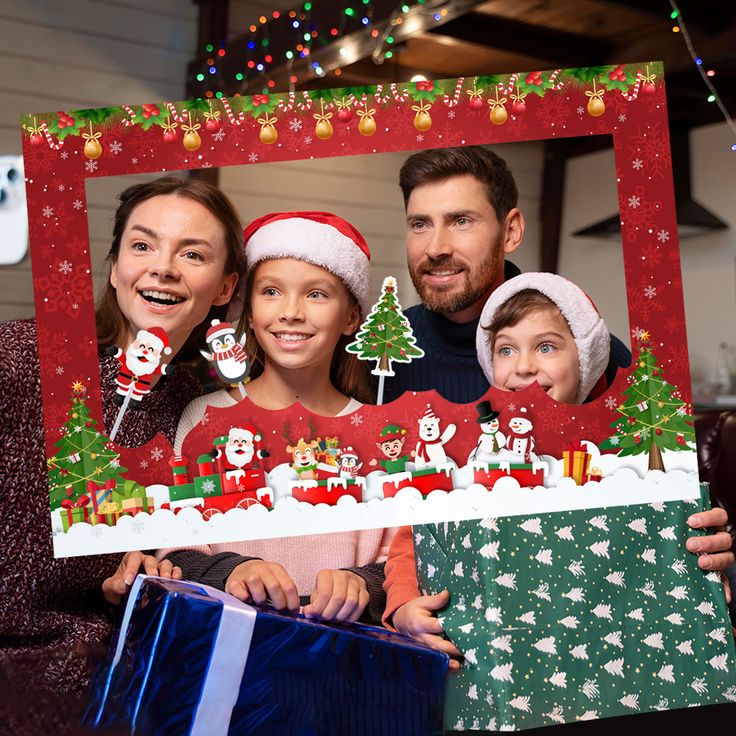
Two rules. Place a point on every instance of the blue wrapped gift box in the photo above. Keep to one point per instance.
(193, 660)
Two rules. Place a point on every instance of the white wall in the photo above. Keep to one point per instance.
(79, 54)
(708, 265)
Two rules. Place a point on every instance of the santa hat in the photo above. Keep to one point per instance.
(349, 452)
(156, 337)
(588, 328)
(428, 413)
(218, 328)
(320, 238)
(246, 433)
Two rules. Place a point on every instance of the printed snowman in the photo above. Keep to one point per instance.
(430, 451)
(519, 440)
(228, 355)
(491, 440)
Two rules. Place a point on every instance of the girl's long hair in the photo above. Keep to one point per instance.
(347, 374)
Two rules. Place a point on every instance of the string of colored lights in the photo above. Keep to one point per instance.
(705, 73)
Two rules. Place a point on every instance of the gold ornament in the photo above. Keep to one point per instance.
(641, 364)
(191, 141)
(75, 415)
(93, 455)
(92, 147)
(498, 114)
(660, 404)
(268, 133)
(367, 125)
(323, 130)
(422, 119)
(596, 106)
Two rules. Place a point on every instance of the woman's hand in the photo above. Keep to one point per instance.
(338, 595)
(714, 550)
(117, 586)
(257, 581)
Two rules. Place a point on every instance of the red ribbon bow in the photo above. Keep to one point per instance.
(427, 86)
(259, 100)
(69, 504)
(578, 446)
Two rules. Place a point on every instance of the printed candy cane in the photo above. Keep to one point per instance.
(174, 114)
(452, 101)
(399, 97)
(127, 122)
(285, 107)
(635, 92)
(229, 112)
(56, 146)
(554, 76)
(505, 91)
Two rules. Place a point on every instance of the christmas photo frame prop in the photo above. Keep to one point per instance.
(623, 464)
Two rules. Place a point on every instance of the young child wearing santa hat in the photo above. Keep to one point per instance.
(307, 289)
(536, 327)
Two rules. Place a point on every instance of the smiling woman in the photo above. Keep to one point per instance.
(176, 254)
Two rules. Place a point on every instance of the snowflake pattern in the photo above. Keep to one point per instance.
(138, 525)
(77, 204)
(64, 155)
(252, 157)
(65, 267)
(91, 166)
(420, 137)
(356, 420)
(581, 111)
(611, 402)
(144, 464)
(219, 135)
(295, 125)
(511, 407)
(634, 201)
(308, 140)
(638, 164)
(61, 187)
(638, 333)
(650, 292)
(134, 160)
(622, 118)
(114, 463)
(157, 453)
(663, 236)
(116, 147)
(451, 114)
(59, 370)
(48, 211)
(614, 440)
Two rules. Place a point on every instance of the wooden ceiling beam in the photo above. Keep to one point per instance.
(559, 47)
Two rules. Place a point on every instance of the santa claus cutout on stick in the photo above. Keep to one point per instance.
(140, 365)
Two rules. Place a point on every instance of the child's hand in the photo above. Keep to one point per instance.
(116, 586)
(256, 581)
(417, 619)
(714, 550)
(338, 595)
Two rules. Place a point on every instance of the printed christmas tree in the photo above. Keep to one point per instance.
(386, 334)
(83, 454)
(653, 417)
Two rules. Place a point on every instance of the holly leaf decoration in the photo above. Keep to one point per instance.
(536, 83)
(424, 90)
(258, 105)
(327, 95)
(588, 73)
(487, 80)
(60, 130)
(98, 115)
(198, 105)
(147, 121)
(617, 78)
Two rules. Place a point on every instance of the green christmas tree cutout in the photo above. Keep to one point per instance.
(83, 454)
(385, 336)
(653, 417)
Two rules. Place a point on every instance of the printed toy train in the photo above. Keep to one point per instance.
(321, 471)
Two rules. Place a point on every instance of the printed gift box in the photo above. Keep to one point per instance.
(577, 615)
(246, 670)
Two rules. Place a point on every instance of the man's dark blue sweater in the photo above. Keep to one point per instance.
(450, 363)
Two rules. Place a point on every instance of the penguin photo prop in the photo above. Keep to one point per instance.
(140, 366)
(227, 354)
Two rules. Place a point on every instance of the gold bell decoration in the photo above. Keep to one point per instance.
(498, 114)
(92, 146)
(192, 140)
(422, 119)
(268, 133)
(323, 130)
(596, 106)
(367, 125)
(476, 98)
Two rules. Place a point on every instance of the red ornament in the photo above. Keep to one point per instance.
(389, 345)
(637, 439)
(403, 352)
(648, 88)
(36, 139)
(518, 107)
(212, 125)
(658, 431)
(169, 136)
(476, 103)
(88, 424)
(345, 115)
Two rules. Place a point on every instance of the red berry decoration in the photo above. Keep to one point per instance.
(345, 115)
(534, 78)
(476, 103)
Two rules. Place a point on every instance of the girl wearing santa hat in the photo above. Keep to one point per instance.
(174, 262)
(306, 292)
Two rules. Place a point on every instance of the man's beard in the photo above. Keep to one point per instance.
(140, 367)
(238, 459)
(477, 282)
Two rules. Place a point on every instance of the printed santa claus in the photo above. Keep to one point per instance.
(140, 364)
(430, 451)
(237, 454)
